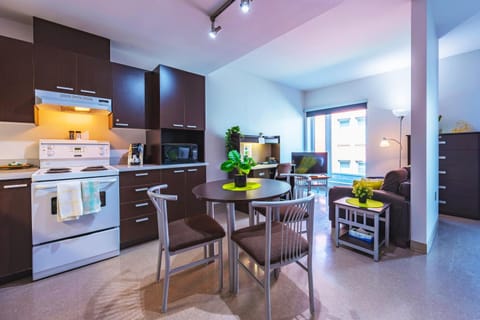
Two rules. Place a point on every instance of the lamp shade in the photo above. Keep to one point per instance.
(384, 143)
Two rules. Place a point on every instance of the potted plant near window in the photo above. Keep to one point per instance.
(243, 165)
(362, 191)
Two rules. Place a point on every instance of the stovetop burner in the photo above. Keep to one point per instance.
(94, 168)
(58, 170)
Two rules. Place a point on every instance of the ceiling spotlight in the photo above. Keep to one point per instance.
(214, 30)
(245, 5)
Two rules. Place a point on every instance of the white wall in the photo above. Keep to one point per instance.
(459, 90)
(383, 92)
(234, 98)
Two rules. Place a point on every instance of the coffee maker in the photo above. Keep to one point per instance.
(135, 154)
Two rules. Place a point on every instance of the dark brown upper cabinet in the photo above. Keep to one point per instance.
(16, 80)
(180, 97)
(66, 71)
(128, 101)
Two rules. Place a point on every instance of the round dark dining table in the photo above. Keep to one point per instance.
(213, 192)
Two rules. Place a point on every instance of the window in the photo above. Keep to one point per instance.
(341, 132)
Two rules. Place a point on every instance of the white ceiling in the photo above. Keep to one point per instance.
(304, 44)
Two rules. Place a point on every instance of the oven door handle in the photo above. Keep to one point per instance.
(40, 187)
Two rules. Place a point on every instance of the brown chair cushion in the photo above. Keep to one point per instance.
(252, 241)
(193, 230)
(393, 179)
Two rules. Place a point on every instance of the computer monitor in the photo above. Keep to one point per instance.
(310, 162)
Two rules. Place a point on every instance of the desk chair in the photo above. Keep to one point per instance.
(178, 236)
(278, 242)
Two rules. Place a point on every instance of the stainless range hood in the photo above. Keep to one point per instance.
(66, 101)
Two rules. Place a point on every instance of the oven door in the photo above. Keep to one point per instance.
(46, 228)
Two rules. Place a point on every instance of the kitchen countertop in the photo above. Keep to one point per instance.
(13, 174)
(126, 168)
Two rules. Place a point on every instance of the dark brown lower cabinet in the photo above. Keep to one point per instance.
(15, 229)
(138, 219)
(180, 182)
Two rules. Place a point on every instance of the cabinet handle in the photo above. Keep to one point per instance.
(15, 186)
(141, 189)
(442, 142)
(141, 174)
(442, 172)
(142, 219)
(119, 124)
(442, 187)
(88, 91)
(442, 202)
(64, 88)
(442, 157)
(191, 126)
(178, 125)
(178, 171)
(143, 204)
(192, 170)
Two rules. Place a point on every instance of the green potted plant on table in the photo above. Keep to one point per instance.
(362, 191)
(243, 165)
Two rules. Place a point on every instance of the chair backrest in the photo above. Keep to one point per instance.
(160, 202)
(283, 168)
(302, 184)
(295, 213)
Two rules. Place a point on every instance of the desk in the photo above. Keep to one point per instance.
(213, 192)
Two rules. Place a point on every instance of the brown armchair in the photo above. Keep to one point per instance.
(396, 191)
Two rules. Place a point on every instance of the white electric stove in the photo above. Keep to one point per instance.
(60, 246)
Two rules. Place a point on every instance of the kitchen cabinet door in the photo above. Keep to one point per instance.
(194, 90)
(128, 101)
(94, 77)
(55, 69)
(172, 99)
(194, 177)
(16, 82)
(175, 179)
(15, 229)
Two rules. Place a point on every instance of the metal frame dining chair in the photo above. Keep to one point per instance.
(196, 231)
(278, 241)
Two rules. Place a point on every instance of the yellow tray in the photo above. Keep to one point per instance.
(369, 204)
(250, 186)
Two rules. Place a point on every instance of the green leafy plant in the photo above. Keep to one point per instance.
(229, 145)
(362, 190)
(243, 165)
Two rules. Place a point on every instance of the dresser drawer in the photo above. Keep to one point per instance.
(139, 178)
(135, 209)
(136, 230)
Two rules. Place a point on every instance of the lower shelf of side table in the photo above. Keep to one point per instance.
(352, 240)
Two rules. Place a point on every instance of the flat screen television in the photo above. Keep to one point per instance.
(310, 162)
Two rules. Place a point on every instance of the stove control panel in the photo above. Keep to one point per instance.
(68, 149)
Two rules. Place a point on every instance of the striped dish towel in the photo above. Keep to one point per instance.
(69, 201)
(91, 197)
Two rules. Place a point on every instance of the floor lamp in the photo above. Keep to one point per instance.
(399, 113)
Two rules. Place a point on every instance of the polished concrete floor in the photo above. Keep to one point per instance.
(444, 284)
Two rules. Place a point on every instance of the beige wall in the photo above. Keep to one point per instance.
(19, 141)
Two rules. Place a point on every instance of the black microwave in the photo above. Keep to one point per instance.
(179, 153)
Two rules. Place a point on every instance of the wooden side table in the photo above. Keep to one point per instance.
(356, 216)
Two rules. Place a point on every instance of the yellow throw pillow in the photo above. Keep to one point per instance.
(375, 184)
